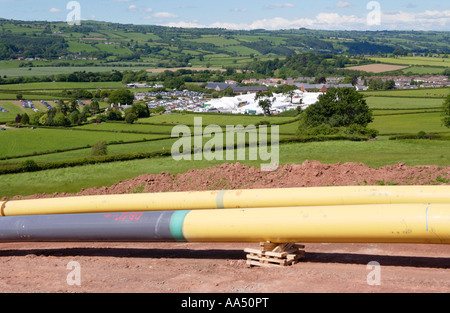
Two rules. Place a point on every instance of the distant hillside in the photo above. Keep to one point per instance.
(170, 47)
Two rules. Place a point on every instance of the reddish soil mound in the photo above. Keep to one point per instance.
(309, 174)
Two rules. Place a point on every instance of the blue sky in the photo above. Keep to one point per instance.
(249, 14)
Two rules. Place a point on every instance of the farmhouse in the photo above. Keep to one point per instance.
(115, 107)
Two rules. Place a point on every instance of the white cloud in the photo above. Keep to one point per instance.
(427, 20)
(279, 5)
(133, 8)
(344, 4)
(55, 10)
(165, 15)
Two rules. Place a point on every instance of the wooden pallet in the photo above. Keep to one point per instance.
(275, 255)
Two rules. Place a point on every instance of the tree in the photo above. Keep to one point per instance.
(74, 117)
(339, 108)
(265, 102)
(130, 118)
(34, 119)
(100, 149)
(447, 72)
(25, 119)
(141, 110)
(266, 105)
(94, 107)
(446, 108)
(113, 115)
(61, 120)
(122, 96)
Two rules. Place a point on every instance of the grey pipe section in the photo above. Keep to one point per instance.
(111, 227)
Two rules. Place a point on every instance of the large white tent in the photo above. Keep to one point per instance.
(247, 104)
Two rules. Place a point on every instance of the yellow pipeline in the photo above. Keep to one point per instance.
(399, 223)
(204, 200)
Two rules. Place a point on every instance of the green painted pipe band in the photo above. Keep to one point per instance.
(176, 225)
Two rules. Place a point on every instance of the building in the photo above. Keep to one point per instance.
(219, 86)
(138, 85)
(250, 89)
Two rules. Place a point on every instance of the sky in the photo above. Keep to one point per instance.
(246, 15)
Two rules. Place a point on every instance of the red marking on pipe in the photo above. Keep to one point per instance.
(125, 216)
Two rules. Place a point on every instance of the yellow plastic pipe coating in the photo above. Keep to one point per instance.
(207, 200)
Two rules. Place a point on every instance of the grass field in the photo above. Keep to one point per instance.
(378, 103)
(396, 112)
(409, 123)
(24, 141)
(374, 154)
(424, 70)
(420, 61)
(417, 93)
(60, 86)
(221, 120)
(51, 70)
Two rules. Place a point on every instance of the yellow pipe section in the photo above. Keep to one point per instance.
(399, 223)
(206, 200)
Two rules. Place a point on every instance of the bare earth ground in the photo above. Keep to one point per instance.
(378, 68)
(220, 268)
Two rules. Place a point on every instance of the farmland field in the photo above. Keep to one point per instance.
(377, 68)
(424, 70)
(420, 61)
(208, 119)
(379, 103)
(374, 154)
(395, 112)
(60, 86)
(24, 141)
(52, 70)
(409, 123)
(417, 93)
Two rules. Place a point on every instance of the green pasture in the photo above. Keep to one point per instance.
(424, 70)
(409, 123)
(13, 111)
(374, 154)
(416, 93)
(52, 70)
(410, 113)
(113, 149)
(214, 119)
(216, 40)
(25, 140)
(122, 127)
(379, 103)
(60, 86)
(421, 61)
